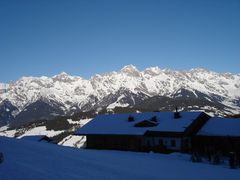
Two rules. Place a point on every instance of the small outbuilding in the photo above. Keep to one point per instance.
(218, 135)
(37, 138)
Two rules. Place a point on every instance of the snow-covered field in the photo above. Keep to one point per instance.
(41, 130)
(25, 160)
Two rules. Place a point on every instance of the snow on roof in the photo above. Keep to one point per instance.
(218, 126)
(119, 124)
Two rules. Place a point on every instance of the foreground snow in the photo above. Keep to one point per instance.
(33, 160)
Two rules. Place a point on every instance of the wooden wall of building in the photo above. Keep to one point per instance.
(116, 142)
(213, 144)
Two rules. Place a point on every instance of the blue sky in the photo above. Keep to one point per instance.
(45, 37)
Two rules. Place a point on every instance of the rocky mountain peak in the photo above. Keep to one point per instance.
(130, 70)
(61, 75)
(64, 77)
(152, 71)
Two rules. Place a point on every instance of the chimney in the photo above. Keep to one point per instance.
(177, 114)
(154, 119)
(130, 118)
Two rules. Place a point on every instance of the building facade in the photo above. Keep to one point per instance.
(154, 131)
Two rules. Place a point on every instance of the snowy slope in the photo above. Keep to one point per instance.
(41, 130)
(73, 141)
(25, 160)
(60, 130)
(66, 94)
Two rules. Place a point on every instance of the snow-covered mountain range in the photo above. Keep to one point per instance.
(34, 98)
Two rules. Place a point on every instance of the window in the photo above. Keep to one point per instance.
(148, 143)
(130, 118)
(160, 142)
(173, 143)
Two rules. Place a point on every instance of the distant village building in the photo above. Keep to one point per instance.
(150, 131)
(37, 138)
